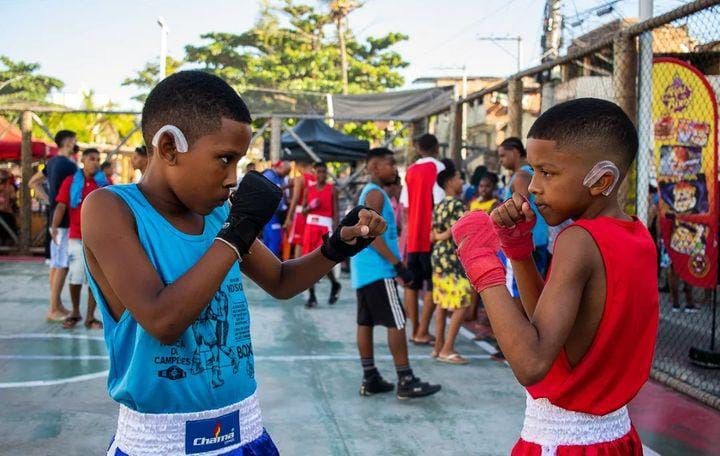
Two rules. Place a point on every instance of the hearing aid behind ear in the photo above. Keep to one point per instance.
(181, 144)
(598, 171)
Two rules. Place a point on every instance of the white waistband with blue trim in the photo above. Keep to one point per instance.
(209, 432)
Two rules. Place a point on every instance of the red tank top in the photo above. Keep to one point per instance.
(310, 180)
(420, 180)
(618, 361)
(320, 202)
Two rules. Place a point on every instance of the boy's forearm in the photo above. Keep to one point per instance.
(530, 284)
(195, 289)
(58, 215)
(297, 275)
(294, 200)
(518, 338)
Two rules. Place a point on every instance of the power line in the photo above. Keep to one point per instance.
(470, 25)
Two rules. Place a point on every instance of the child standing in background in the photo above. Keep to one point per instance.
(451, 289)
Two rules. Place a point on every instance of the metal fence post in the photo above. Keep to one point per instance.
(26, 165)
(624, 89)
(644, 113)
(275, 132)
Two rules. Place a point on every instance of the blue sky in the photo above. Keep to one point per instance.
(94, 44)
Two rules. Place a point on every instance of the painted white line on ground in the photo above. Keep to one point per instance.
(50, 336)
(269, 358)
(480, 343)
(277, 358)
(52, 357)
(57, 381)
(291, 358)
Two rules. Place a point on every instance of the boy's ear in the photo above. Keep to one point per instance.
(166, 148)
(602, 184)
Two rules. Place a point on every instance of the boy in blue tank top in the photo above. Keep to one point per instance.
(373, 272)
(164, 259)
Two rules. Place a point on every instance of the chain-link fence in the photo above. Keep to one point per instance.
(679, 95)
(665, 74)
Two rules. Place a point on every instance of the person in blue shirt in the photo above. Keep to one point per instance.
(164, 261)
(373, 273)
(56, 170)
(513, 157)
(272, 232)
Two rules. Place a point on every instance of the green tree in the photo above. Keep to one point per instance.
(292, 47)
(92, 128)
(146, 78)
(298, 48)
(19, 81)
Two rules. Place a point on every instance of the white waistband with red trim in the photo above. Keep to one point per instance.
(550, 426)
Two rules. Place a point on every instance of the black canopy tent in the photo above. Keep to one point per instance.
(326, 143)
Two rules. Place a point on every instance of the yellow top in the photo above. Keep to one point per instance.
(485, 206)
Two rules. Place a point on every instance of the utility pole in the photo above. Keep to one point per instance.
(551, 40)
(463, 94)
(164, 30)
(551, 43)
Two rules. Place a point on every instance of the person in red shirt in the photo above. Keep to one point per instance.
(70, 197)
(419, 195)
(582, 342)
(320, 206)
(295, 219)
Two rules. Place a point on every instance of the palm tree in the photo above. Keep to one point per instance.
(339, 10)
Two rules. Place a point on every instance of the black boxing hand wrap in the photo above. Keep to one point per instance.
(252, 206)
(337, 250)
(403, 272)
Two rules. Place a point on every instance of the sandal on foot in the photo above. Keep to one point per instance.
(453, 359)
(430, 341)
(57, 318)
(71, 322)
(94, 324)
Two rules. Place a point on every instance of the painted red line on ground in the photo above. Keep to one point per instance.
(661, 410)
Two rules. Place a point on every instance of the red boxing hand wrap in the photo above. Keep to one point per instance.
(517, 242)
(477, 250)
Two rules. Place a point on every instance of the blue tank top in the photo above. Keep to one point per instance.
(369, 266)
(211, 365)
(540, 232)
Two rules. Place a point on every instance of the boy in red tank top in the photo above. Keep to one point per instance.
(321, 210)
(582, 342)
(295, 220)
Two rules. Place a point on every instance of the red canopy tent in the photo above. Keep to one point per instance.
(11, 142)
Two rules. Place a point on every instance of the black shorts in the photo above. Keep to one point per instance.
(379, 304)
(419, 264)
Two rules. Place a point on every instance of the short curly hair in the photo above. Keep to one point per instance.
(195, 102)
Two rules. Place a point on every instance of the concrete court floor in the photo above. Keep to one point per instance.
(53, 398)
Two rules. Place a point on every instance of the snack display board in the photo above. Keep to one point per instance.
(685, 131)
